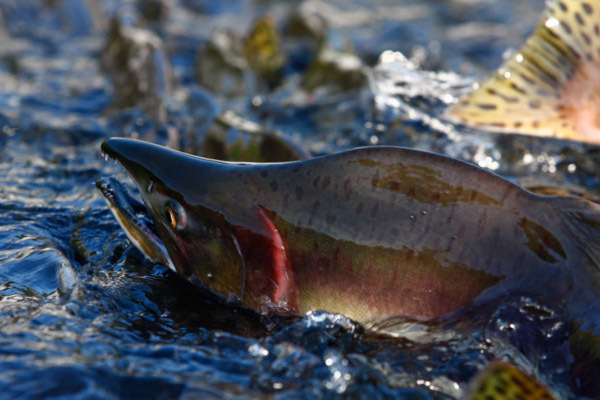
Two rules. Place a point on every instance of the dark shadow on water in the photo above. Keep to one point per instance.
(191, 308)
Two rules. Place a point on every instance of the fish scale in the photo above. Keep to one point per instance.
(549, 87)
(417, 234)
(501, 381)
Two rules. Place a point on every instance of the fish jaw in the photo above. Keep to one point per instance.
(178, 191)
(142, 161)
(123, 207)
(228, 243)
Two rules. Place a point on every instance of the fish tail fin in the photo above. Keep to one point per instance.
(502, 381)
(550, 86)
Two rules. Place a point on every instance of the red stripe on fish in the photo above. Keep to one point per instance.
(281, 264)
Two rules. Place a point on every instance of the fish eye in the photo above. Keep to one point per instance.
(175, 214)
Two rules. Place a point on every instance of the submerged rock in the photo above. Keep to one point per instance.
(336, 70)
(221, 67)
(233, 138)
(137, 64)
(234, 67)
(153, 10)
(262, 51)
(304, 31)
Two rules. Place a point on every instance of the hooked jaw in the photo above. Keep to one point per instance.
(189, 239)
(135, 156)
(131, 214)
(133, 218)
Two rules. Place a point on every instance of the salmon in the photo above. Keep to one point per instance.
(371, 233)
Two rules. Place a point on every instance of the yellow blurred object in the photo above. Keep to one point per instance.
(549, 87)
(261, 48)
(502, 381)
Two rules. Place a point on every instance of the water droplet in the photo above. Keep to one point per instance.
(552, 22)
(257, 350)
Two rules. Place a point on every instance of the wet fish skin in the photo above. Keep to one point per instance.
(502, 381)
(371, 233)
(550, 86)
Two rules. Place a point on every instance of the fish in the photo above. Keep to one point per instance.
(549, 87)
(503, 381)
(372, 233)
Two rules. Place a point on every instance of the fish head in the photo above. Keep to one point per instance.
(181, 224)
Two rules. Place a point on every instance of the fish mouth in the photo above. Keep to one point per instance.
(135, 220)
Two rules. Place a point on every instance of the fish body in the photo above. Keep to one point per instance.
(371, 233)
(501, 381)
(550, 86)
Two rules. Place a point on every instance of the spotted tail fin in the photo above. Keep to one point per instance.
(549, 87)
(501, 381)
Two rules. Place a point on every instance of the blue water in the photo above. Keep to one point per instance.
(84, 315)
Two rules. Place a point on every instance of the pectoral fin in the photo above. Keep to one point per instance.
(549, 87)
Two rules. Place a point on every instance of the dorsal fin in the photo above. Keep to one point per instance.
(549, 87)
(502, 381)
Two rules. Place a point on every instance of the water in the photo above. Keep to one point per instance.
(84, 315)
